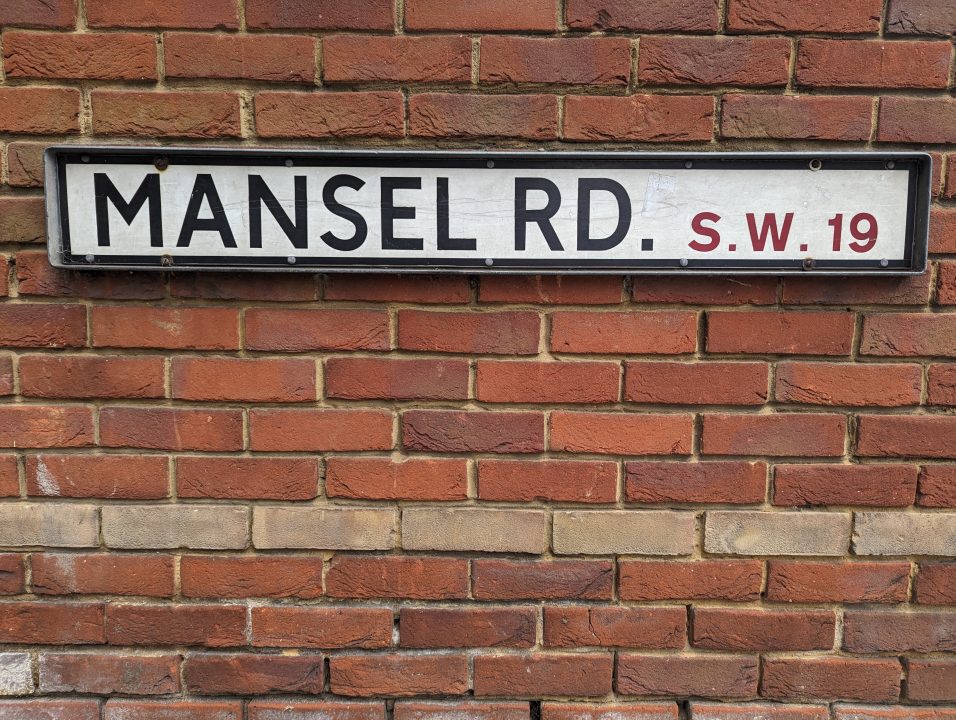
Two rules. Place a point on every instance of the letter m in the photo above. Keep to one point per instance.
(148, 191)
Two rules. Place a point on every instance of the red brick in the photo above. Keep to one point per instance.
(271, 287)
(872, 64)
(126, 477)
(642, 15)
(50, 709)
(531, 117)
(780, 434)
(825, 582)
(216, 14)
(109, 674)
(497, 710)
(931, 681)
(103, 574)
(581, 674)
(780, 333)
(723, 711)
(255, 380)
(80, 56)
(181, 710)
(285, 710)
(39, 110)
(481, 15)
(209, 625)
(407, 577)
(465, 431)
(34, 426)
(877, 485)
(401, 59)
(164, 428)
(567, 61)
(11, 574)
(922, 632)
(789, 117)
(698, 383)
(307, 430)
(548, 480)
(327, 114)
(909, 712)
(502, 333)
(22, 221)
(35, 13)
(720, 629)
(937, 486)
(42, 326)
(909, 334)
(732, 580)
(942, 385)
(177, 114)
(551, 289)
(35, 276)
(663, 332)
(920, 17)
(174, 328)
(321, 627)
(83, 376)
(355, 378)
(385, 479)
(208, 674)
(946, 293)
(855, 385)
(288, 330)
(857, 16)
(712, 675)
(639, 118)
(910, 290)
(915, 119)
(573, 626)
(542, 579)
(942, 239)
(6, 378)
(901, 436)
(273, 576)
(608, 711)
(700, 290)
(275, 58)
(548, 382)
(935, 584)
(46, 623)
(321, 14)
(709, 482)
(714, 61)
(247, 478)
(621, 433)
(831, 679)
(468, 627)
(399, 675)
(423, 289)
(9, 476)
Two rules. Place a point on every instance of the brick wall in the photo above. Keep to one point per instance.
(294, 497)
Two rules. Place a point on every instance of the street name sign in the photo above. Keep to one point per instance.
(557, 212)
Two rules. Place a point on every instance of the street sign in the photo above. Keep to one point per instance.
(565, 212)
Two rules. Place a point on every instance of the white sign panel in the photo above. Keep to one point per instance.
(566, 212)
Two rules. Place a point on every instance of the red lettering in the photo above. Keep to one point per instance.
(697, 225)
(778, 235)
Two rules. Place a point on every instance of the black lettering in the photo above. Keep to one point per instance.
(390, 213)
(205, 189)
(445, 242)
(343, 211)
(260, 193)
(148, 191)
(542, 217)
(585, 187)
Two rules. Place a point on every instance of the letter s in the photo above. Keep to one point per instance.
(697, 225)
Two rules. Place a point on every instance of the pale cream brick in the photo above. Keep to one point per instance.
(475, 530)
(16, 675)
(323, 528)
(49, 524)
(898, 533)
(202, 527)
(624, 532)
(777, 533)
